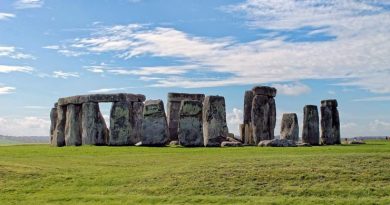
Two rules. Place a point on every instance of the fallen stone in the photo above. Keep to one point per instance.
(304, 145)
(356, 142)
(232, 139)
(310, 131)
(93, 125)
(190, 131)
(155, 127)
(289, 127)
(174, 143)
(138, 144)
(277, 143)
(231, 144)
(215, 129)
(73, 125)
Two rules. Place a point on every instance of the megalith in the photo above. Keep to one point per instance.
(93, 125)
(330, 122)
(173, 110)
(155, 127)
(248, 98)
(263, 114)
(73, 125)
(310, 131)
(190, 131)
(53, 122)
(289, 127)
(59, 131)
(215, 129)
(120, 127)
(137, 120)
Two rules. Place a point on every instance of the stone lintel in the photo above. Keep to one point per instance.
(264, 90)
(184, 96)
(119, 97)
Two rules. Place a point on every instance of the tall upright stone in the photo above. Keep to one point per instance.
(330, 122)
(215, 129)
(190, 131)
(248, 98)
(137, 120)
(263, 113)
(73, 125)
(53, 122)
(93, 125)
(289, 127)
(173, 110)
(310, 132)
(120, 127)
(155, 127)
(59, 131)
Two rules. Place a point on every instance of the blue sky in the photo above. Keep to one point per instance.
(308, 50)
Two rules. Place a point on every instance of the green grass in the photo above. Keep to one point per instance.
(346, 174)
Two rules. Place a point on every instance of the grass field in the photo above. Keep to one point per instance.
(346, 174)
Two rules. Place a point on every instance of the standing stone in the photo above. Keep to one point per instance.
(290, 127)
(248, 98)
(53, 122)
(242, 132)
(173, 110)
(215, 130)
(190, 132)
(330, 123)
(120, 127)
(137, 120)
(59, 131)
(73, 125)
(249, 135)
(155, 127)
(94, 129)
(263, 113)
(310, 132)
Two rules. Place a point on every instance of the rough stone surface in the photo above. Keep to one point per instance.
(263, 118)
(277, 143)
(215, 129)
(93, 126)
(249, 135)
(120, 127)
(242, 132)
(53, 123)
(155, 127)
(248, 98)
(231, 144)
(59, 132)
(190, 132)
(136, 121)
(73, 125)
(330, 123)
(264, 90)
(310, 132)
(173, 109)
(119, 97)
(289, 127)
(174, 143)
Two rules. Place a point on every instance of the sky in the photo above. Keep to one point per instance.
(309, 50)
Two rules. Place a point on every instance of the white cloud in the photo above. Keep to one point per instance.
(35, 107)
(28, 4)
(356, 56)
(109, 90)
(233, 120)
(52, 47)
(6, 16)
(8, 69)
(370, 99)
(25, 126)
(10, 51)
(163, 70)
(71, 53)
(379, 125)
(65, 75)
(6, 90)
(292, 89)
(348, 125)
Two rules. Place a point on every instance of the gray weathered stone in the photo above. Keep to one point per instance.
(215, 129)
(73, 125)
(173, 108)
(155, 127)
(277, 143)
(120, 127)
(93, 125)
(59, 131)
(118, 97)
(289, 127)
(190, 132)
(261, 119)
(136, 120)
(242, 132)
(53, 123)
(330, 123)
(264, 90)
(248, 98)
(310, 132)
(231, 144)
(249, 135)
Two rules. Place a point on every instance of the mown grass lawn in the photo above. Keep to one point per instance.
(345, 174)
